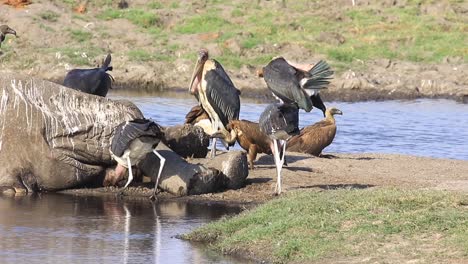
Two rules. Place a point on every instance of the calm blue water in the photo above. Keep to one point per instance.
(432, 128)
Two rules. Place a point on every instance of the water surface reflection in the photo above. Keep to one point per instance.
(56, 228)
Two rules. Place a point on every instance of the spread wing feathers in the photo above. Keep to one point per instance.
(318, 77)
(222, 95)
(282, 79)
(313, 139)
(195, 112)
(280, 121)
(126, 132)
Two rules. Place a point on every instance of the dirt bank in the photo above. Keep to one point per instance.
(53, 38)
(339, 171)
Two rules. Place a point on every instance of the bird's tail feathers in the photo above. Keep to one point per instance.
(320, 76)
(105, 64)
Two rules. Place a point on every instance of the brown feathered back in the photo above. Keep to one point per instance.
(196, 114)
(249, 133)
(314, 138)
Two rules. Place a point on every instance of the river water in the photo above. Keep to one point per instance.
(53, 228)
(431, 128)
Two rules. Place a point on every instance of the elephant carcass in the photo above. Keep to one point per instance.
(53, 137)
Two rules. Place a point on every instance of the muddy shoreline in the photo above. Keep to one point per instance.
(305, 172)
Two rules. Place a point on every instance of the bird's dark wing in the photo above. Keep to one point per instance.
(126, 132)
(93, 81)
(281, 78)
(222, 95)
(280, 120)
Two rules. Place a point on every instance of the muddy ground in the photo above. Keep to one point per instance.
(347, 171)
(364, 80)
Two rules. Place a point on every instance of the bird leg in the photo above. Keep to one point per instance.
(213, 147)
(278, 163)
(130, 175)
(161, 166)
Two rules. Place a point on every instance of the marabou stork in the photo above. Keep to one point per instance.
(5, 30)
(314, 138)
(131, 142)
(295, 83)
(215, 93)
(280, 122)
(93, 81)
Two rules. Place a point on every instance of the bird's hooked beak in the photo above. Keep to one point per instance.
(197, 72)
(318, 103)
(337, 112)
(228, 139)
(11, 31)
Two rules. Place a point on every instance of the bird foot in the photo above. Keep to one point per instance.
(154, 196)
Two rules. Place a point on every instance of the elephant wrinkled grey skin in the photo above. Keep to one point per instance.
(52, 137)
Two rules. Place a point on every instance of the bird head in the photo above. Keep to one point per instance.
(197, 72)
(7, 30)
(334, 111)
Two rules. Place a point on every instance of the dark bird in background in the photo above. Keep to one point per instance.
(5, 30)
(280, 122)
(122, 4)
(314, 138)
(294, 83)
(131, 142)
(215, 93)
(92, 81)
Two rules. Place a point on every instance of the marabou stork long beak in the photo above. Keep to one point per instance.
(198, 71)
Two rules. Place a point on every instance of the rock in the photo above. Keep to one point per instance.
(233, 165)
(187, 140)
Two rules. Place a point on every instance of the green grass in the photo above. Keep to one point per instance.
(49, 15)
(202, 23)
(80, 35)
(345, 224)
(78, 56)
(138, 17)
(403, 33)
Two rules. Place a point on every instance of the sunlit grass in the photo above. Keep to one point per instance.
(138, 17)
(78, 56)
(202, 23)
(308, 226)
(80, 35)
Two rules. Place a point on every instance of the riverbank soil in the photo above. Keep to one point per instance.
(379, 49)
(337, 171)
